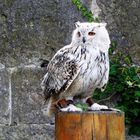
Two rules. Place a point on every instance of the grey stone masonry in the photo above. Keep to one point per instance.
(28, 107)
(27, 132)
(33, 29)
(4, 97)
(123, 18)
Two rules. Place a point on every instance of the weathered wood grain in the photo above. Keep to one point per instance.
(102, 125)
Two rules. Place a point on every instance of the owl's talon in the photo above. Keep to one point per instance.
(71, 108)
(114, 109)
(96, 106)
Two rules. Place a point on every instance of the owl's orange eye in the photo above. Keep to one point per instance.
(79, 34)
(91, 33)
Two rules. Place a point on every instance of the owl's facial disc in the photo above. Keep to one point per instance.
(85, 33)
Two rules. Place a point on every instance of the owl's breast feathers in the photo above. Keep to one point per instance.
(68, 65)
(103, 70)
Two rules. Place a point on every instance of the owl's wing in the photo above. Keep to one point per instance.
(104, 71)
(61, 72)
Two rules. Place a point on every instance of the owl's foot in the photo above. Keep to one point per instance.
(71, 108)
(114, 109)
(96, 106)
(63, 103)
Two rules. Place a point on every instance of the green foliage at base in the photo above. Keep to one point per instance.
(124, 83)
(84, 107)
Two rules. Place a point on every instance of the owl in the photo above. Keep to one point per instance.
(78, 69)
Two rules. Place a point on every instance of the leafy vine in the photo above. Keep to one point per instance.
(85, 12)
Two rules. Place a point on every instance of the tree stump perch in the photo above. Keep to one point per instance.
(97, 125)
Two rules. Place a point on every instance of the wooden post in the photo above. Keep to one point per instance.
(97, 125)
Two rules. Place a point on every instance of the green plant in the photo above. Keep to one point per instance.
(83, 106)
(85, 12)
(124, 82)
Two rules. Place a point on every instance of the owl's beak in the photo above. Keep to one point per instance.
(84, 40)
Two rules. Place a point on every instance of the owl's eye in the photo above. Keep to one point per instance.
(79, 34)
(91, 33)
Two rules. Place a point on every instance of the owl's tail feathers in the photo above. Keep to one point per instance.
(52, 109)
(51, 101)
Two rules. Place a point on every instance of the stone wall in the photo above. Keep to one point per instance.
(34, 29)
(123, 18)
(29, 31)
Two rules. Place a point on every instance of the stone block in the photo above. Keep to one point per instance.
(123, 18)
(27, 132)
(27, 103)
(4, 96)
(33, 29)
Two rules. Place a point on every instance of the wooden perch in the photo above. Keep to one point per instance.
(97, 125)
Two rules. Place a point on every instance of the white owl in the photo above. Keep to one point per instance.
(78, 68)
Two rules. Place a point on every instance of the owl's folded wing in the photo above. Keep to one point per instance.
(104, 71)
(61, 72)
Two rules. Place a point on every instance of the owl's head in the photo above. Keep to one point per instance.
(91, 34)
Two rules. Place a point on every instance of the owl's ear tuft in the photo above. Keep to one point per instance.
(77, 24)
(102, 24)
